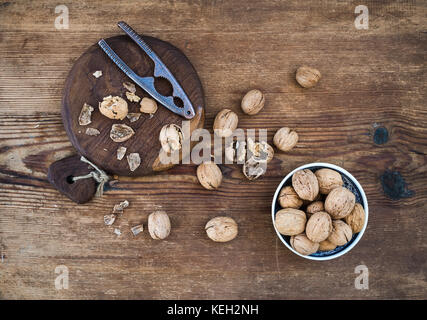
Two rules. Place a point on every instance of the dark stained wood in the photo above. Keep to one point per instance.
(61, 174)
(371, 79)
(82, 87)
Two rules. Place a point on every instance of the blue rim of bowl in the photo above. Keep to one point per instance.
(349, 182)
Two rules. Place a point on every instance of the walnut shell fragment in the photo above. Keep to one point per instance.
(303, 245)
(109, 219)
(134, 161)
(340, 202)
(114, 107)
(305, 184)
(85, 115)
(159, 225)
(288, 198)
(97, 74)
(92, 132)
(121, 151)
(290, 222)
(356, 219)
(253, 169)
(221, 229)
(137, 229)
(118, 208)
(121, 132)
(133, 116)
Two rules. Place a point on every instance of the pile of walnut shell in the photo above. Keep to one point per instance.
(318, 213)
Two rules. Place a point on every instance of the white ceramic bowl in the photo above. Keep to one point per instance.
(349, 182)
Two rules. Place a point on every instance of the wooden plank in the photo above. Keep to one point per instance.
(372, 79)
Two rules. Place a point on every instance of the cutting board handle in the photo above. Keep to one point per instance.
(60, 175)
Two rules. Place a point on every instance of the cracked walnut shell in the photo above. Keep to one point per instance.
(171, 138)
(225, 123)
(290, 222)
(285, 139)
(319, 226)
(159, 225)
(341, 233)
(85, 115)
(328, 180)
(114, 107)
(121, 132)
(288, 198)
(209, 175)
(221, 229)
(304, 245)
(305, 184)
(253, 102)
(340, 202)
(356, 219)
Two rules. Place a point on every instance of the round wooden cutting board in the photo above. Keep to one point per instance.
(82, 87)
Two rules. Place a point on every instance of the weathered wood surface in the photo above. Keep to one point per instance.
(372, 80)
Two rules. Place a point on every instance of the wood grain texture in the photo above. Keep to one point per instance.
(371, 80)
(82, 87)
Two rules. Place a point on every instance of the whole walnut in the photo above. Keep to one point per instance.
(288, 198)
(114, 107)
(356, 219)
(304, 245)
(305, 184)
(221, 229)
(326, 246)
(341, 233)
(209, 175)
(328, 180)
(319, 226)
(290, 222)
(340, 202)
(159, 225)
(253, 102)
(225, 123)
(314, 207)
(285, 139)
(307, 77)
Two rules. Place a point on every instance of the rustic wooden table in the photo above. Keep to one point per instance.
(368, 114)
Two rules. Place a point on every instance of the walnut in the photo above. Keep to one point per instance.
(328, 180)
(356, 219)
(130, 86)
(92, 132)
(221, 229)
(121, 151)
(340, 202)
(253, 102)
(171, 138)
(114, 107)
(304, 245)
(121, 132)
(134, 161)
(314, 207)
(132, 97)
(341, 233)
(326, 246)
(285, 139)
(319, 226)
(225, 123)
(305, 184)
(236, 151)
(288, 198)
(290, 221)
(159, 225)
(133, 116)
(253, 169)
(148, 105)
(85, 115)
(260, 150)
(209, 175)
(307, 77)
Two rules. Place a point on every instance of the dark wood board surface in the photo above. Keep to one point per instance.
(82, 87)
(367, 114)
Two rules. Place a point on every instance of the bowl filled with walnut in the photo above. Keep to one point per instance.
(319, 211)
